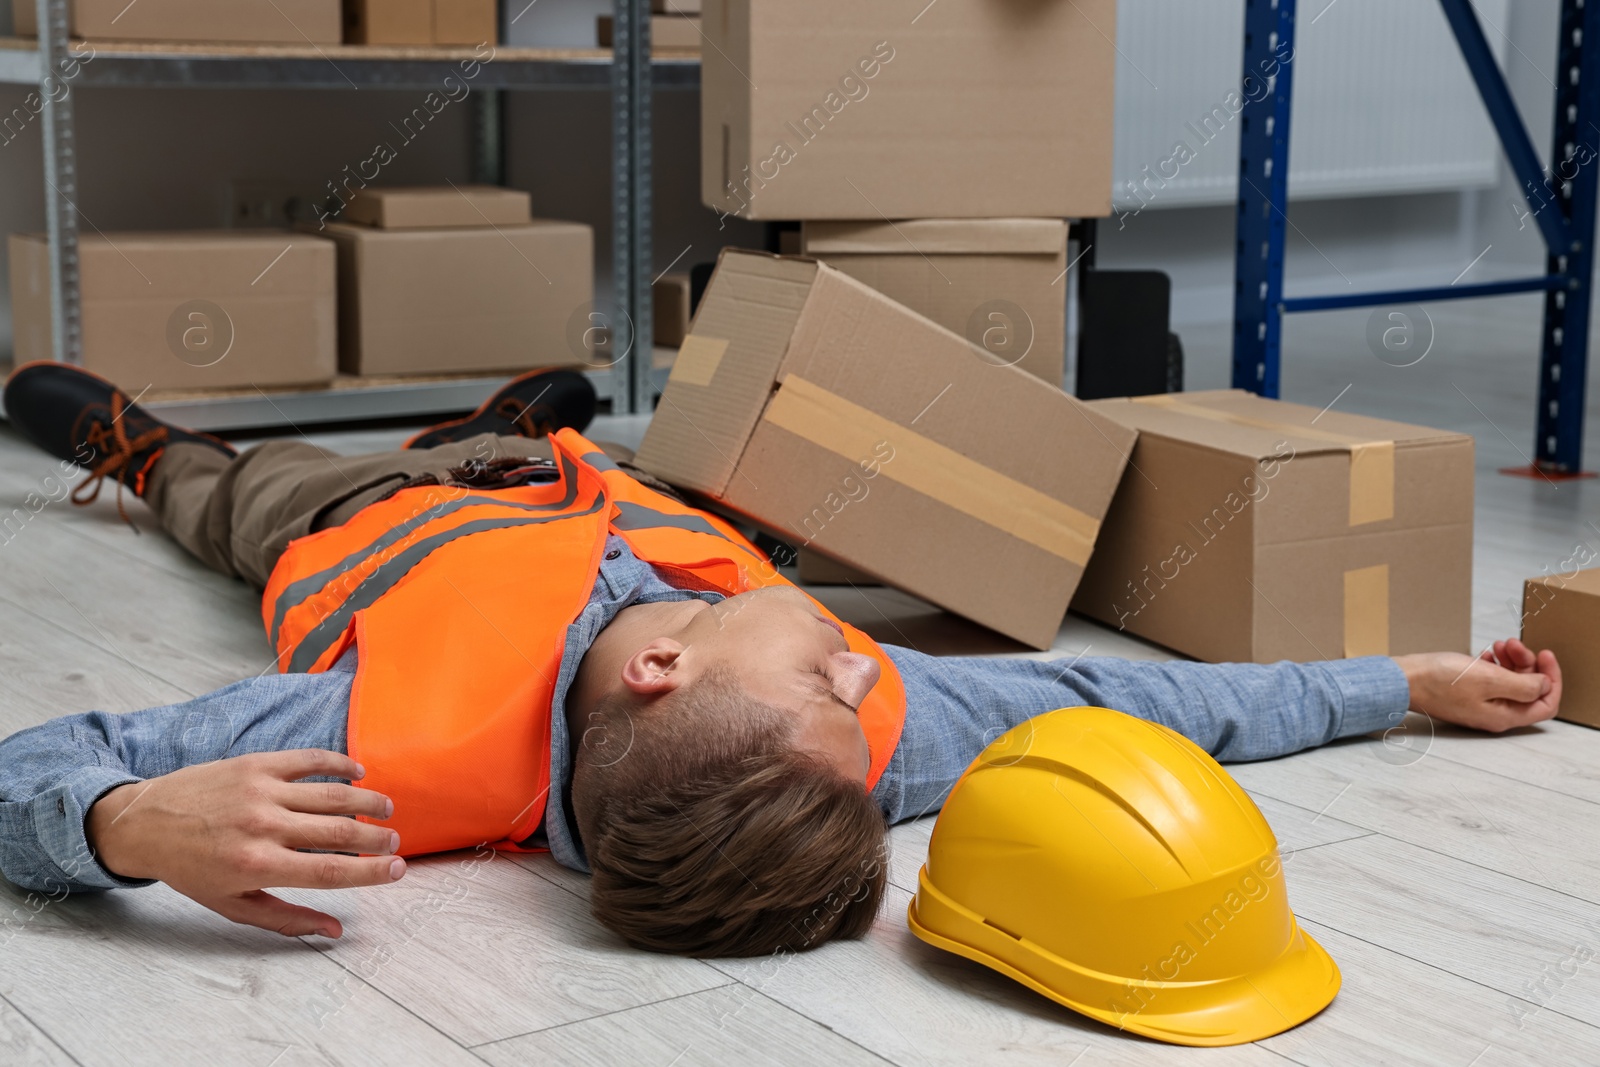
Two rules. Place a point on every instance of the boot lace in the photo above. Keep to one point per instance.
(116, 450)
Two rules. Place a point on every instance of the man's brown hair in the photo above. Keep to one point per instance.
(710, 834)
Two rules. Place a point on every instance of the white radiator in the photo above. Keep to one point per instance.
(1383, 102)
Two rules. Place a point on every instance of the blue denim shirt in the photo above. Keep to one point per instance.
(52, 774)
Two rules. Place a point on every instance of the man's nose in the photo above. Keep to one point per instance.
(854, 675)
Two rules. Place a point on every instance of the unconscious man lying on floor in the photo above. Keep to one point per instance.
(510, 638)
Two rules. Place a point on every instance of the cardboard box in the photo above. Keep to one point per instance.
(666, 31)
(441, 301)
(188, 310)
(814, 569)
(670, 296)
(388, 21)
(1249, 529)
(898, 110)
(675, 7)
(257, 21)
(465, 22)
(439, 207)
(1000, 283)
(1561, 612)
(812, 405)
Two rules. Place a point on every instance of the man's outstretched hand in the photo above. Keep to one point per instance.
(1506, 687)
(220, 833)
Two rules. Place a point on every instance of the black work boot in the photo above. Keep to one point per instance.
(79, 416)
(530, 405)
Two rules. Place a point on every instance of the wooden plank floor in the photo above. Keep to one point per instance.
(1455, 879)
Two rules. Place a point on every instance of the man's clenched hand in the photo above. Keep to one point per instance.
(220, 833)
(1508, 686)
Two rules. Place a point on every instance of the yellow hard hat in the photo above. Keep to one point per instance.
(1110, 864)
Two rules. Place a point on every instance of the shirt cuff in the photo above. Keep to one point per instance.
(1373, 692)
(59, 816)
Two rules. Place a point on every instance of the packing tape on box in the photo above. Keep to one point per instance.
(698, 360)
(849, 430)
(1366, 611)
(1371, 462)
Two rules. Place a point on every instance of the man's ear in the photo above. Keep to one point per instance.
(652, 671)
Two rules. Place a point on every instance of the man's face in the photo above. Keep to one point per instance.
(788, 654)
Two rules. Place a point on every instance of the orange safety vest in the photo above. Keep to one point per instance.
(459, 601)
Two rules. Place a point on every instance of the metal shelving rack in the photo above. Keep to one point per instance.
(629, 70)
(1562, 203)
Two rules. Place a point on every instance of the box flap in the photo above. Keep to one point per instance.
(929, 237)
(422, 207)
(725, 370)
(1232, 420)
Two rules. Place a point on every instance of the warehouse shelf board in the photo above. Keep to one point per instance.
(347, 399)
(243, 66)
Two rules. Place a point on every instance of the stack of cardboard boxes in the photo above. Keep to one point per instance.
(934, 154)
(459, 279)
(449, 280)
(891, 398)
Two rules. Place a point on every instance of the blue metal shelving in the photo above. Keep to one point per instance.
(1561, 200)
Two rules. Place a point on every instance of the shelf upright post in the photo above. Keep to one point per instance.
(1563, 361)
(488, 119)
(61, 179)
(632, 332)
(1263, 194)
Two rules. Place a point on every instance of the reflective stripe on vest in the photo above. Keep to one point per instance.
(297, 591)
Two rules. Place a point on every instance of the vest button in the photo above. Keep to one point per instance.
(615, 553)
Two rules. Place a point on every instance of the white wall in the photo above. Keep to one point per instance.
(1392, 241)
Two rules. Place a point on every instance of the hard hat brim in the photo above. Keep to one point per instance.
(1232, 1011)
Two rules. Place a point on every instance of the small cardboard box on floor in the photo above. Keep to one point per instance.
(1249, 529)
(187, 310)
(902, 109)
(1561, 612)
(1000, 283)
(250, 21)
(467, 282)
(814, 406)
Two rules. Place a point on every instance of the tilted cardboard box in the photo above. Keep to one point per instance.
(843, 422)
(188, 309)
(1250, 529)
(1561, 612)
(254, 21)
(1000, 283)
(901, 109)
(433, 301)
